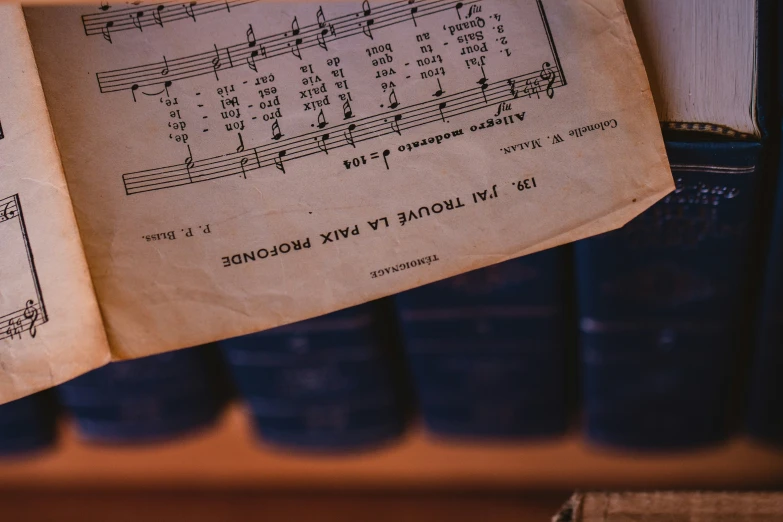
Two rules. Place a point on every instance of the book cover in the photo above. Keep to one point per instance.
(487, 349)
(151, 398)
(665, 304)
(28, 424)
(765, 405)
(322, 384)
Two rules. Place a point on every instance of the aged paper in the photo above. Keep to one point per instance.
(237, 166)
(50, 325)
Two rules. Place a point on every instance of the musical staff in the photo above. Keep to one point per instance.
(22, 323)
(339, 135)
(110, 20)
(300, 38)
(18, 318)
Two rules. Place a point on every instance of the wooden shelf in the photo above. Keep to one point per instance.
(229, 457)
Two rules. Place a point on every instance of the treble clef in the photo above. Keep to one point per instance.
(32, 314)
(548, 76)
(6, 214)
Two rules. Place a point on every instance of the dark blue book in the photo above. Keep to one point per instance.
(665, 302)
(765, 398)
(152, 398)
(28, 424)
(487, 349)
(325, 384)
(765, 405)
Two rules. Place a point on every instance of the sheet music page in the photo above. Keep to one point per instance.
(239, 165)
(50, 325)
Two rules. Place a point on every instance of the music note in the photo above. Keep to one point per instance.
(216, 62)
(106, 31)
(295, 32)
(322, 25)
(241, 147)
(414, 10)
(393, 103)
(512, 85)
(322, 120)
(189, 163)
(32, 314)
(134, 88)
(321, 40)
(156, 15)
(322, 143)
(366, 26)
(276, 134)
(349, 135)
(441, 106)
(386, 155)
(320, 17)
(251, 36)
(251, 42)
(279, 161)
(347, 111)
(104, 6)
(189, 10)
(548, 76)
(242, 163)
(137, 20)
(166, 86)
(458, 7)
(251, 60)
(165, 70)
(395, 124)
(483, 83)
(440, 90)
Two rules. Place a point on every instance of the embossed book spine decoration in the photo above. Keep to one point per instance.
(321, 384)
(151, 398)
(664, 304)
(28, 424)
(487, 349)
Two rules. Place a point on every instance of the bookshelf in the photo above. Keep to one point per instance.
(228, 458)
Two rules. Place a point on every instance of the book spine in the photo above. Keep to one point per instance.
(325, 384)
(765, 406)
(664, 305)
(487, 349)
(147, 399)
(28, 424)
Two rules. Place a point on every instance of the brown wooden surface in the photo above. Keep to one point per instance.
(245, 506)
(228, 457)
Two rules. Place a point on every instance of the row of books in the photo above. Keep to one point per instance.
(665, 334)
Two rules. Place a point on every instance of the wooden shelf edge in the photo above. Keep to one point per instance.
(230, 457)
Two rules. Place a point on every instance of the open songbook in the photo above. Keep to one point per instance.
(173, 174)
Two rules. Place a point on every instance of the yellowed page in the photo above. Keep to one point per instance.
(50, 325)
(237, 166)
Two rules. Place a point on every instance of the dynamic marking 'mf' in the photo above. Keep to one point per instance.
(22, 308)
